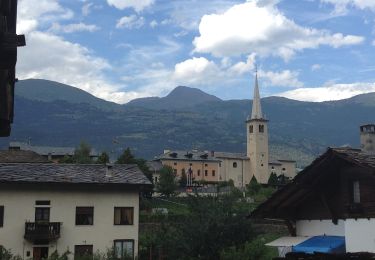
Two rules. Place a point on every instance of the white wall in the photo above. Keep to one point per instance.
(360, 235)
(240, 175)
(320, 227)
(19, 207)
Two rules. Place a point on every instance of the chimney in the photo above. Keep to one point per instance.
(212, 153)
(367, 136)
(108, 170)
(166, 151)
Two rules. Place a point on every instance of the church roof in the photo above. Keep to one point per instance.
(256, 112)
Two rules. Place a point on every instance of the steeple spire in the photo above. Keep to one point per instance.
(256, 112)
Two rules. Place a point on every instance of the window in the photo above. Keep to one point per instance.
(261, 164)
(81, 251)
(124, 249)
(213, 172)
(205, 164)
(156, 179)
(199, 172)
(251, 129)
(261, 128)
(1, 216)
(175, 163)
(205, 173)
(234, 165)
(124, 216)
(283, 169)
(42, 214)
(190, 164)
(84, 215)
(356, 192)
(183, 171)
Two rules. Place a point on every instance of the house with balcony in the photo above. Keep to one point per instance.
(329, 207)
(81, 208)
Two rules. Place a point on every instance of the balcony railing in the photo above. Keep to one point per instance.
(42, 231)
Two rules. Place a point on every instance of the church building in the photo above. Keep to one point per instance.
(213, 166)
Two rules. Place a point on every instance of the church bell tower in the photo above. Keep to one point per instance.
(257, 139)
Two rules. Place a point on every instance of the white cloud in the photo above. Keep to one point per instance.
(130, 22)
(71, 28)
(373, 43)
(32, 13)
(196, 71)
(247, 28)
(316, 67)
(153, 23)
(341, 6)
(285, 78)
(137, 5)
(329, 92)
(244, 67)
(86, 9)
(67, 63)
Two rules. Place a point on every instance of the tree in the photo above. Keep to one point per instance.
(273, 180)
(66, 159)
(82, 153)
(126, 157)
(253, 187)
(208, 225)
(183, 180)
(167, 184)
(103, 158)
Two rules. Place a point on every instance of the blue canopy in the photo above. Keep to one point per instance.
(322, 244)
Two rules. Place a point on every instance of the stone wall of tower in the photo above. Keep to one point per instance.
(257, 149)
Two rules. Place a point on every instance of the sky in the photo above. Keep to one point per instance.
(119, 50)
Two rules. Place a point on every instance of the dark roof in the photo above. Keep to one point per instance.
(19, 156)
(72, 173)
(310, 178)
(154, 165)
(225, 155)
(47, 150)
(192, 155)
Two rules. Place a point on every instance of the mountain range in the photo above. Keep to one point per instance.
(51, 113)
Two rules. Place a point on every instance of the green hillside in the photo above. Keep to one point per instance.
(298, 130)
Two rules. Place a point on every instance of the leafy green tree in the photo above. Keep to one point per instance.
(251, 250)
(103, 158)
(210, 224)
(82, 153)
(167, 184)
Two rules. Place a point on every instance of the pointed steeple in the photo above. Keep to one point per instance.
(256, 112)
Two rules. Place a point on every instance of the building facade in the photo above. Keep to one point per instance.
(78, 208)
(332, 197)
(238, 167)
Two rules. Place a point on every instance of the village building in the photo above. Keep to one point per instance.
(329, 207)
(52, 153)
(46, 207)
(212, 166)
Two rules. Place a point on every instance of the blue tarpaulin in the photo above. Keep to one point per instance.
(322, 244)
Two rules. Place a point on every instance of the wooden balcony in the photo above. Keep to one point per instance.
(42, 231)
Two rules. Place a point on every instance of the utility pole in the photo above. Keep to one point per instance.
(9, 41)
